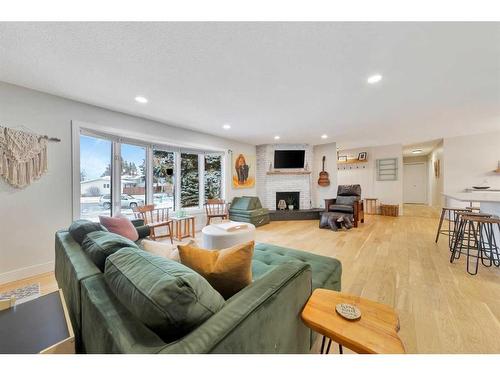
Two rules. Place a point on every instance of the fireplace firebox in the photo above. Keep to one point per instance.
(290, 197)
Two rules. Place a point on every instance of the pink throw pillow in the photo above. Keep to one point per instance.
(120, 225)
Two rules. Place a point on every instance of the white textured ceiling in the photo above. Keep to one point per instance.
(296, 80)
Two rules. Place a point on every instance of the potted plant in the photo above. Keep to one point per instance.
(290, 203)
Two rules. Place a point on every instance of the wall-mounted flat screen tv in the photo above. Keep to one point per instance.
(289, 159)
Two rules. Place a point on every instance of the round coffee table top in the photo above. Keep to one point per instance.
(215, 230)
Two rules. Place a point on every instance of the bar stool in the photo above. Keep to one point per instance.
(475, 238)
(459, 223)
(450, 215)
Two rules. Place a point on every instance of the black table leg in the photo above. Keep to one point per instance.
(323, 345)
(328, 347)
(341, 350)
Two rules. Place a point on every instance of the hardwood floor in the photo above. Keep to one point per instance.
(394, 260)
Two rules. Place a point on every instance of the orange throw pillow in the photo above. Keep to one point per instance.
(227, 270)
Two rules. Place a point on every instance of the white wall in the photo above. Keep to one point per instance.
(30, 217)
(320, 193)
(435, 191)
(365, 174)
(469, 160)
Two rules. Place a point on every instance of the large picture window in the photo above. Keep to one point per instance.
(133, 178)
(117, 175)
(190, 183)
(163, 179)
(95, 177)
(213, 176)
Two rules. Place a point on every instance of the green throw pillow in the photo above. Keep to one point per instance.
(79, 229)
(168, 297)
(99, 245)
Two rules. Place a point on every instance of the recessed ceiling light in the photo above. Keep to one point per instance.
(417, 151)
(374, 79)
(226, 126)
(141, 99)
(324, 136)
(276, 137)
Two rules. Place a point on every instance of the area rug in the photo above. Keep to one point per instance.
(24, 294)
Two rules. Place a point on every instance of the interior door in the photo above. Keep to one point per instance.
(415, 183)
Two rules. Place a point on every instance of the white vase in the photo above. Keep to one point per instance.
(290, 207)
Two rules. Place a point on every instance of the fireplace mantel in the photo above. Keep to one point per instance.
(288, 172)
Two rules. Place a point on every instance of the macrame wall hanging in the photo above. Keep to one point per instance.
(23, 156)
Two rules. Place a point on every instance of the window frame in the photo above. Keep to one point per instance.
(81, 128)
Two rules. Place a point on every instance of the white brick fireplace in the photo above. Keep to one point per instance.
(269, 184)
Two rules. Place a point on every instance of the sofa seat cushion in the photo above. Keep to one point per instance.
(80, 228)
(341, 208)
(99, 245)
(249, 213)
(166, 296)
(326, 271)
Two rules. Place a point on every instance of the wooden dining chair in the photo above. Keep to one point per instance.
(216, 208)
(155, 218)
(7, 303)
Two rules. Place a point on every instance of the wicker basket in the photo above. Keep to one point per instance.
(389, 209)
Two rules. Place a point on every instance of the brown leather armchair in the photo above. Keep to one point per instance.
(348, 201)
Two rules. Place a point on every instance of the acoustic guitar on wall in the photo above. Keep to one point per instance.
(323, 179)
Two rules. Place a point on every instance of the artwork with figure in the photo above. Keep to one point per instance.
(244, 171)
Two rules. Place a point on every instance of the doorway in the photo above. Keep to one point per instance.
(415, 183)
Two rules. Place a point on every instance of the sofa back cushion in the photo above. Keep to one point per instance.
(79, 229)
(99, 245)
(168, 297)
(245, 203)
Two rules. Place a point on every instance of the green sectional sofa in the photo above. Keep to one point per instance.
(248, 210)
(262, 318)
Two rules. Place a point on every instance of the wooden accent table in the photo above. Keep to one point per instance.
(183, 227)
(376, 332)
(371, 206)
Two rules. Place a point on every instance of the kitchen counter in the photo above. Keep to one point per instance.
(475, 196)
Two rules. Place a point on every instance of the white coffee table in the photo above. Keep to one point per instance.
(217, 238)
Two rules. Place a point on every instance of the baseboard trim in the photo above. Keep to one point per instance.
(23, 273)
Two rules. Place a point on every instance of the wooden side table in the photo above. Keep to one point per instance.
(183, 227)
(371, 206)
(376, 332)
(41, 325)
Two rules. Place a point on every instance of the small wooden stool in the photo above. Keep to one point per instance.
(371, 206)
(183, 227)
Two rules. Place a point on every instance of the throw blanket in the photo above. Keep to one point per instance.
(23, 156)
